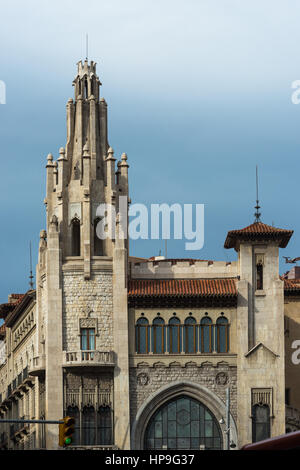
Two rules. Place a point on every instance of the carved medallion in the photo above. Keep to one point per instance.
(143, 379)
(221, 378)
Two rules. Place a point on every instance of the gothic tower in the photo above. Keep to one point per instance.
(81, 278)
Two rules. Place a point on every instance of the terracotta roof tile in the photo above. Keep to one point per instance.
(182, 287)
(292, 286)
(258, 231)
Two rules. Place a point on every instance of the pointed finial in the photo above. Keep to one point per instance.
(257, 207)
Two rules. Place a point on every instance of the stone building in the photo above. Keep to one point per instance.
(142, 352)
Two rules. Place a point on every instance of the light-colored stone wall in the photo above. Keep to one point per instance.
(260, 337)
(177, 269)
(145, 380)
(94, 295)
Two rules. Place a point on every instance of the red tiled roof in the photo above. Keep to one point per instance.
(292, 286)
(7, 308)
(16, 296)
(258, 231)
(182, 288)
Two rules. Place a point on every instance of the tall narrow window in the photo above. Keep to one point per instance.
(86, 88)
(260, 422)
(104, 426)
(87, 336)
(98, 243)
(88, 426)
(87, 343)
(75, 234)
(142, 336)
(158, 336)
(190, 336)
(259, 276)
(222, 335)
(174, 336)
(73, 411)
(206, 338)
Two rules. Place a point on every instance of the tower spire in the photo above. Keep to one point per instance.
(257, 207)
(31, 275)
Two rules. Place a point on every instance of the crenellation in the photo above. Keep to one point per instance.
(177, 269)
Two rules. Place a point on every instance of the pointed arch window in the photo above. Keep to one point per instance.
(98, 243)
(183, 423)
(206, 339)
(75, 235)
(190, 336)
(86, 92)
(174, 336)
(222, 335)
(142, 335)
(73, 412)
(158, 335)
(88, 426)
(104, 426)
(259, 276)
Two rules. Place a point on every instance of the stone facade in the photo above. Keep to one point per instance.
(145, 381)
(92, 342)
(87, 303)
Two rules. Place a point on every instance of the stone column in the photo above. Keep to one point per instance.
(54, 377)
(121, 371)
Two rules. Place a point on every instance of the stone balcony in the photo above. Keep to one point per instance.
(37, 366)
(88, 358)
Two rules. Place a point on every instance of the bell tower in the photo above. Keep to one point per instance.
(260, 328)
(83, 277)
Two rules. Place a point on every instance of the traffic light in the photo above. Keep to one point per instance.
(66, 430)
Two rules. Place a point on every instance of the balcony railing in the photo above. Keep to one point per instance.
(37, 366)
(88, 357)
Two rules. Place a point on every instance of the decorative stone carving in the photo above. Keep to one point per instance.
(74, 211)
(54, 220)
(221, 378)
(87, 311)
(143, 379)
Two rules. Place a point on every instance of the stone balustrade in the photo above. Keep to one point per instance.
(88, 357)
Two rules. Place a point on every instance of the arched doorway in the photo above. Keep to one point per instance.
(183, 423)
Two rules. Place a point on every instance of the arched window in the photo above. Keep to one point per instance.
(88, 426)
(260, 422)
(183, 423)
(142, 336)
(158, 336)
(190, 335)
(75, 234)
(174, 337)
(206, 339)
(104, 426)
(86, 93)
(73, 411)
(259, 276)
(222, 335)
(98, 243)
